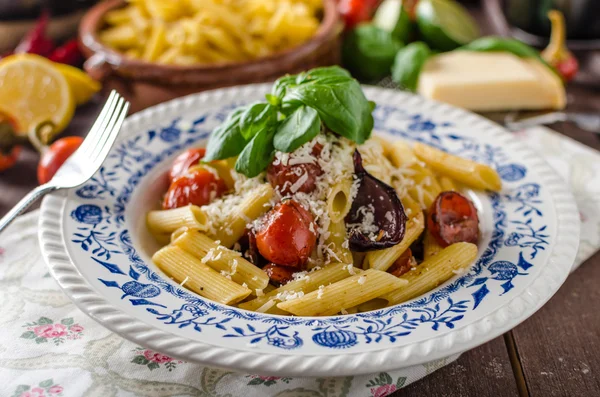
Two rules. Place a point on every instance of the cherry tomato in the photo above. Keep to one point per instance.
(184, 161)
(453, 219)
(198, 188)
(279, 275)
(7, 160)
(283, 177)
(402, 265)
(357, 11)
(287, 235)
(53, 158)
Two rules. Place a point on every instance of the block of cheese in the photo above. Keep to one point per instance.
(491, 81)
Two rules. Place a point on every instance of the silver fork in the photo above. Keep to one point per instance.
(86, 160)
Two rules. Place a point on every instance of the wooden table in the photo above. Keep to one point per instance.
(554, 353)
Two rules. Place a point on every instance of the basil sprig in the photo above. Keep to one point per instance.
(292, 115)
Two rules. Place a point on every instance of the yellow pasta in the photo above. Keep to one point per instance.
(339, 200)
(337, 243)
(167, 221)
(433, 272)
(310, 282)
(384, 259)
(223, 260)
(189, 271)
(430, 245)
(448, 184)
(465, 171)
(346, 293)
(210, 31)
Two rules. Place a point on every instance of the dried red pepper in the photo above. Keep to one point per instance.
(557, 54)
(36, 41)
(67, 53)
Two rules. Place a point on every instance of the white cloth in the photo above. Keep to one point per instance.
(50, 348)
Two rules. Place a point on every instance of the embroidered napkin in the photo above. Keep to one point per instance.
(48, 348)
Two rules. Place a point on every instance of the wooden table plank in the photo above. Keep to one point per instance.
(483, 371)
(559, 346)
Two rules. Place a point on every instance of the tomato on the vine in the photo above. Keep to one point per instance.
(55, 156)
(198, 187)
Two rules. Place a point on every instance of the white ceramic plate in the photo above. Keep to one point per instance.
(94, 241)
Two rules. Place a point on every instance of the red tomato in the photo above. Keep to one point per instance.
(285, 237)
(53, 158)
(279, 275)
(283, 177)
(184, 161)
(198, 188)
(453, 219)
(7, 160)
(357, 11)
(402, 265)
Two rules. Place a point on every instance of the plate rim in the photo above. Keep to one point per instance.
(518, 309)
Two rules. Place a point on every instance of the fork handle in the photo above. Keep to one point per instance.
(25, 203)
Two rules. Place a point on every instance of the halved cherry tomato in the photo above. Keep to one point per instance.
(279, 275)
(283, 177)
(184, 161)
(55, 156)
(453, 219)
(199, 187)
(402, 265)
(286, 236)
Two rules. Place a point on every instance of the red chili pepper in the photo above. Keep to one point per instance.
(557, 54)
(67, 53)
(36, 41)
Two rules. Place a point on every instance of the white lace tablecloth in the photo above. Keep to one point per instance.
(48, 348)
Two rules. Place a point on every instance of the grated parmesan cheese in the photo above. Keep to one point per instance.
(362, 280)
(259, 292)
(320, 291)
(184, 281)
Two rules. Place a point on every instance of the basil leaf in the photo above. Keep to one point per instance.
(257, 154)
(255, 118)
(369, 52)
(319, 73)
(281, 84)
(408, 64)
(297, 129)
(226, 140)
(340, 102)
(516, 47)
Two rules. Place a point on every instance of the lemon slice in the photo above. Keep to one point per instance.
(33, 91)
(82, 85)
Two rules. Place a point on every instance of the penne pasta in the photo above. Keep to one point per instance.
(349, 292)
(337, 243)
(254, 205)
(167, 221)
(339, 201)
(385, 258)
(433, 272)
(225, 261)
(448, 184)
(470, 173)
(311, 282)
(430, 245)
(187, 269)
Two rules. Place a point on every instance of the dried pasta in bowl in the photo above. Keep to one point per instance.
(296, 211)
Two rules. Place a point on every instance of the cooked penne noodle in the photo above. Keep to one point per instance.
(430, 245)
(184, 267)
(337, 243)
(448, 184)
(339, 201)
(167, 221)
(433, 272)
(373, 304)
(223, 260)
(470, 173)
(254, 205)
(311, 282)
(384, 259)
(349, 292)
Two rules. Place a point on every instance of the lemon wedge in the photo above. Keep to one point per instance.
(82, 85)
(33, 91)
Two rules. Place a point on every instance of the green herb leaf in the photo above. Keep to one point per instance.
(255, 118)
(320, 73)
(297, 129)
(226, 140)
(257, 154)
(408, 64)
(502, 44)
(369, 52)
(340, 102)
